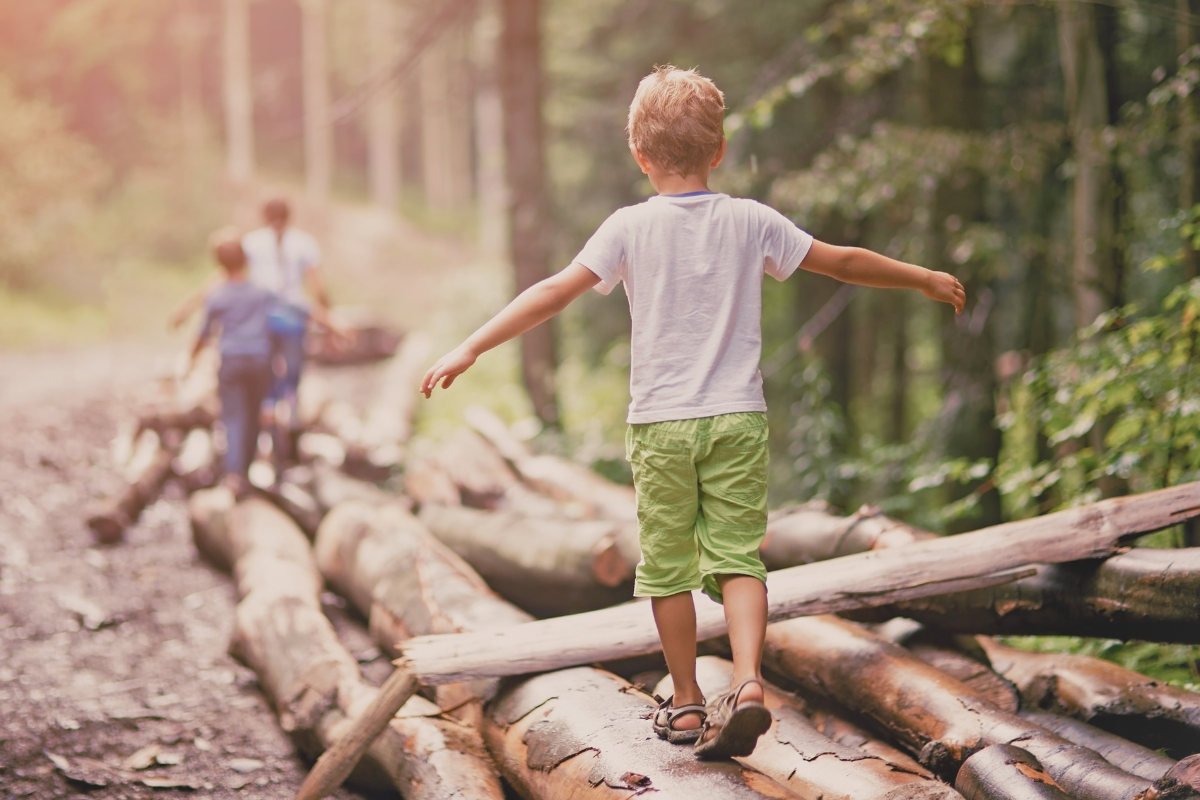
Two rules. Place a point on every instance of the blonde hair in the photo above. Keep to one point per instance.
(676, 120)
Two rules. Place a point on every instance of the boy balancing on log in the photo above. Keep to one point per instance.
(692, 262)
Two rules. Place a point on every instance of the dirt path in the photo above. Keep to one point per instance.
(110, 650)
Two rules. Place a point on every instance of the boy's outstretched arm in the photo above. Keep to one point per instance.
(529, 309)
(867, 268)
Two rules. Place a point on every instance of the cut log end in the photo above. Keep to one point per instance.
(608, 565)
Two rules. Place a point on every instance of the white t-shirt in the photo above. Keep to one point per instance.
(692, 266)
(280, 265)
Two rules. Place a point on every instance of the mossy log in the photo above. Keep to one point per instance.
(798, 756)
(311, 680)
(927, 711)
(1103, 694)
(584, 734)
(1147, 594)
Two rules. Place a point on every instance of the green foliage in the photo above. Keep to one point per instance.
(1175, 664)
(1122, 403)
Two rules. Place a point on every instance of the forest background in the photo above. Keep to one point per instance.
(1043, 152)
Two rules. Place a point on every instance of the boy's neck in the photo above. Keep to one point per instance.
(673, 184)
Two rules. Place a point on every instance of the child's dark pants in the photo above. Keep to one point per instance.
(243, 383)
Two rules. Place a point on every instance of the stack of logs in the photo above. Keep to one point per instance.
(904, 695)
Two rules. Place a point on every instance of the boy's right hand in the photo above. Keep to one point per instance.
(944, 287)
(447, 368)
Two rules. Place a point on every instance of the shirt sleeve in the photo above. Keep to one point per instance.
(604, 254)
(784, 245)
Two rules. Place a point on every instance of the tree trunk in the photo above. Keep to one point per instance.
(383, 122)
(318, 123)
(238, 91)
(832, 723)
(797, 756)
(525, 168)
(109, 518)
(489, 136)
(810, 533)
(1121, 753)
(406, 584)
(1092, 202)
(1103, 694)
(580, 733)
(309, 677)
(189, 36)
(1004, 772)
(1146, 594)
(547, 567)
(564, 480)
(926, 710)
(446, 122)
(857, 581)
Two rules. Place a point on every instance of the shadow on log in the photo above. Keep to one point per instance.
(311, 680)
(1103, 694)
(1004, 772)
(585, 733)
(547, 567)
(1147, 594)
(930, 713)
(796, 755)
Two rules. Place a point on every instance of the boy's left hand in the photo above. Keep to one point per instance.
(447, 368)
(945, 288)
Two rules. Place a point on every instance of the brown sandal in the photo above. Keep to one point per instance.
(735, 726)
(664, 718)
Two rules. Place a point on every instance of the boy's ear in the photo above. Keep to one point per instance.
(720, 156)
(641, 160)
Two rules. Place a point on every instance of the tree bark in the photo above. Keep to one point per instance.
(987, 684)
(238, 91)
(383, 123)
(1103, 694)
(309, 677)
(109, 518)
(446, 122)
(1121, 753)
(926, 710)
(1146, 594)
(799, 757)
(1092, 202)
(938, 566)
(1004, 772)
(560, 478)
(318, 124)
(810, 533)
(832, 723)
(525, 167)
(546, 567)
(580, 734)
(406, 584)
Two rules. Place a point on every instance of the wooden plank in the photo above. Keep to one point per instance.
(983, 558)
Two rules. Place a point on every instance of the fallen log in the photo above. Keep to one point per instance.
(927, 711)
(560, 478)
(808, 533)
(197, 465)
(1146, 594)
(388, 422)
(331, 487)
(407, 583)
(1004, 772)
(1103, 694)
(797, 756)
(547, 567)
(1133, 758)
(311, 680)
(832, 722)
(109, 518)
(986, 557)
(581, 733)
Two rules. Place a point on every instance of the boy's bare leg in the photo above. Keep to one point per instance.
(745, 600)
(675, 617)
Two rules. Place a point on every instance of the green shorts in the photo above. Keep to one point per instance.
(702, 501)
